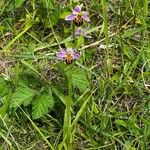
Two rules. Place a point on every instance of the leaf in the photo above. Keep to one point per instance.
(82, 109)
(79, 78)
(135, 63)
(41, 105)
(105, 122)
(128, 52)
(3, 87)
(22, 95)
(80, 41)
(121, 123)
(7, 100)
(59, 94)
(133, 126)
(131, 32)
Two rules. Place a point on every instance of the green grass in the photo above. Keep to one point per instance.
(100, 101)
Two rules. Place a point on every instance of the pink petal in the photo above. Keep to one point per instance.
(61, 54)
(76, 55)
(77, 9)
(86, 18)
(78, 32)
(70, 17)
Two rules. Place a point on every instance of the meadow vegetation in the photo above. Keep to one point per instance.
(74, 86)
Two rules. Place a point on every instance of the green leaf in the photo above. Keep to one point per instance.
(121, 123)
(131, 32)
(22, 95)
(105, 121)
(6, 104)
(59, 94)
(133, 126)
(128, 52)
(41, 105)
(3, 87)
(79, 78)
(80, 41)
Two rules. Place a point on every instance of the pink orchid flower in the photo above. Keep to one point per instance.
(78, 16)
(68, 55)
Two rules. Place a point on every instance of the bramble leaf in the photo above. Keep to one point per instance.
(22, 95)
(79, 78)
(41, 105)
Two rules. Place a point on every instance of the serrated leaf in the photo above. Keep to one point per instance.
(22, 95)
(41, 105)
(79, 78)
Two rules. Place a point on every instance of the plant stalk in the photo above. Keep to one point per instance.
(67, 118)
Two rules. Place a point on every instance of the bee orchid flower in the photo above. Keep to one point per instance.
(68, 55)
(78, 16)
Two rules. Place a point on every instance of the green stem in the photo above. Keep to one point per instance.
(67, 118)
(73, 34)
(104, 7)
(107, 60)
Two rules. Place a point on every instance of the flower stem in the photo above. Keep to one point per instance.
(67, 118)
(73, 34)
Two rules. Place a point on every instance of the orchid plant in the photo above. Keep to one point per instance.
(78, 17)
